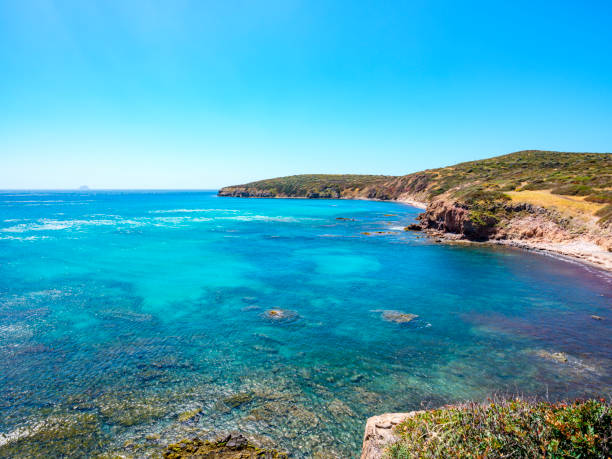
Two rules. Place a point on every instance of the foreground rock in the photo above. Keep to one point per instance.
(380, 433)
(233, 446)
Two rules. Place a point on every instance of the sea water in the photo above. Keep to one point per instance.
(129, 320)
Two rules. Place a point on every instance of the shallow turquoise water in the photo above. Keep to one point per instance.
(120, 311)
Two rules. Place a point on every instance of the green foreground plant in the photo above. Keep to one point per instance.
(508, 428)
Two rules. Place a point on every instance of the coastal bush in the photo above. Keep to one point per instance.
(602, 197)
(573, 189)
(605, 215)
(479, 196)
(514, 428)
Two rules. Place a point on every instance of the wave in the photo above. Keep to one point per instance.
(265, 218)
(180, 211)
(56, 225)
(23, 238)
(47, 225)
(37, 201)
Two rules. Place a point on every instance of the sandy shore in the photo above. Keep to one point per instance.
(578, 250)
(413, 203)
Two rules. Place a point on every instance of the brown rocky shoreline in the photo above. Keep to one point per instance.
(531, 228)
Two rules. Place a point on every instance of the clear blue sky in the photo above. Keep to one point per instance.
(201, 94)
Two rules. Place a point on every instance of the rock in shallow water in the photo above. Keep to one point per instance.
(233, 446)
(280, 314)
(398, 316)
(560, 357)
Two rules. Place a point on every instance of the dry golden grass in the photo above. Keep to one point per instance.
(574, 205)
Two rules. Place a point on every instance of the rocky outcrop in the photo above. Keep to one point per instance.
(380, 433)
(521, 225)
(449, 216)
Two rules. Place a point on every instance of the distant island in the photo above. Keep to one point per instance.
(545, 200)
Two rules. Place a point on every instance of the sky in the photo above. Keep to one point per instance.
(201, 94)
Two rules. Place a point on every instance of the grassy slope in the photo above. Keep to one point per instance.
(508, 428)
(311, 185)
(483, 186)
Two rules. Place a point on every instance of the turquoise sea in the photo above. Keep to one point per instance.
(132, 319)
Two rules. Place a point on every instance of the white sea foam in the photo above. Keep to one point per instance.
(174, 220)
(265, 218)
(181, 211)
(46, 224)
(23, 238)
(56, 225)
(24, 432)
(15, 331)
(35, 201)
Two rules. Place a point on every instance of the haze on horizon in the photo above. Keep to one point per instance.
(196, 95)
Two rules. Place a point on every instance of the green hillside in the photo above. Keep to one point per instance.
(307, 185)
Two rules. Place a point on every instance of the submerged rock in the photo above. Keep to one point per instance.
(280, 314)
(233, 446)
(398, 316)
(128, 411)
(560, 357)
(61, 436)
(413, 227)
(189, 415)
(234, 401)
(339, 410)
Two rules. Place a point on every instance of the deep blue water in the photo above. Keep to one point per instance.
(122, 311)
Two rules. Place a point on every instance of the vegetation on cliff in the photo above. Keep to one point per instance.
(482, 186)
(508, 428)
(306, 186)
